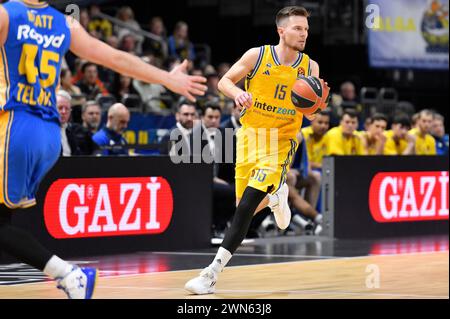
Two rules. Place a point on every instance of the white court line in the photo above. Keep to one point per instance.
(298, 292)
(241, 255)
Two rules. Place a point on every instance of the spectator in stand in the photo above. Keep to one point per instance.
(346, 99)
(82, 134)
(197, 71)
(179, 45)
(398, 141)
(101, 26)
(157, 48)
(343, 140)
(76, 139)
(213, 92)
(374, 139)
(128, 44)
(425, 143)
(91, 116)
(73, 90)
(151, 95)
(223, 68)
(110, 138)
(113, 41)
(84, 18)
(90, 85)
(68, 143)
(123, 87)
(438, 132)
(126, 15)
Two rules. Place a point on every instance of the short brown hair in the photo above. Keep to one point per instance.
(287, 12)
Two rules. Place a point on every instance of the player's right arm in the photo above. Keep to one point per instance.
(227, 85)
(96, 51)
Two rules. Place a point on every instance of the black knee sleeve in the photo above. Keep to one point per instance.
(242, 218)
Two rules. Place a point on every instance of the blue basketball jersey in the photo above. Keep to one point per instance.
(30, 60)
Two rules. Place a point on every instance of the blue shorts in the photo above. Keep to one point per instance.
(29, 147)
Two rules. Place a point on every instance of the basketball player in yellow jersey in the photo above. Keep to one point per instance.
(261, 166)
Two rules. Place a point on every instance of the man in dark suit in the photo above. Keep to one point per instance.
(69, 145)
(226, 169)
(208, 145)
(75, 138)
(176, 142)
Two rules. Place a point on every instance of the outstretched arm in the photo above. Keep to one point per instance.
(91, 49)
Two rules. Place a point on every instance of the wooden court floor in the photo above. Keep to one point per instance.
(421, 275)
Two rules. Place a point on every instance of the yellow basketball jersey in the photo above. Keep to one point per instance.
(270, 84)
(316, 149)
(393, 147)
(425, 145)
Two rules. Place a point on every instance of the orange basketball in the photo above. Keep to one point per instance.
(310, 94)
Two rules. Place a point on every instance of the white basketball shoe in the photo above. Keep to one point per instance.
(281, 211)
(203, 284)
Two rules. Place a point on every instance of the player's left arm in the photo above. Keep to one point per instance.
(4, 23)
(314, 68)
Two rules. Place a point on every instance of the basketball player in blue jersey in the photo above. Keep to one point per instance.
(34, 37)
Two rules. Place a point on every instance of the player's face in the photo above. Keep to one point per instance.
(321, 124)
(349, 124)
(378, 127)
(294, 31)
(399, 130)
(425, 123)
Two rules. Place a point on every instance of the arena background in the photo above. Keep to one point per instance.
(337, 40)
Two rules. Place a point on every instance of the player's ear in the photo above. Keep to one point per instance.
(280, 31)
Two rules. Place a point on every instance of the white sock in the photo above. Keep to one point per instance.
(222, 258)
(318, 219)
(273, 200)
(299, 221)
(57, 268)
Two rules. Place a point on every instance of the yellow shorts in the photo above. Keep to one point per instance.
(262, 162)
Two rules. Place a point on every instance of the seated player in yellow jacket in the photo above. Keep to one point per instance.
(398, 141)
(343, 140)
(314, 137)
(425, 143)
(373, 138)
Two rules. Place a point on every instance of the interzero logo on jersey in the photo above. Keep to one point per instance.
(97, 207)
(274, 109)
(409, 196)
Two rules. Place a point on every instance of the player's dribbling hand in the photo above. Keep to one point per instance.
(186, 85)
(244, 99)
